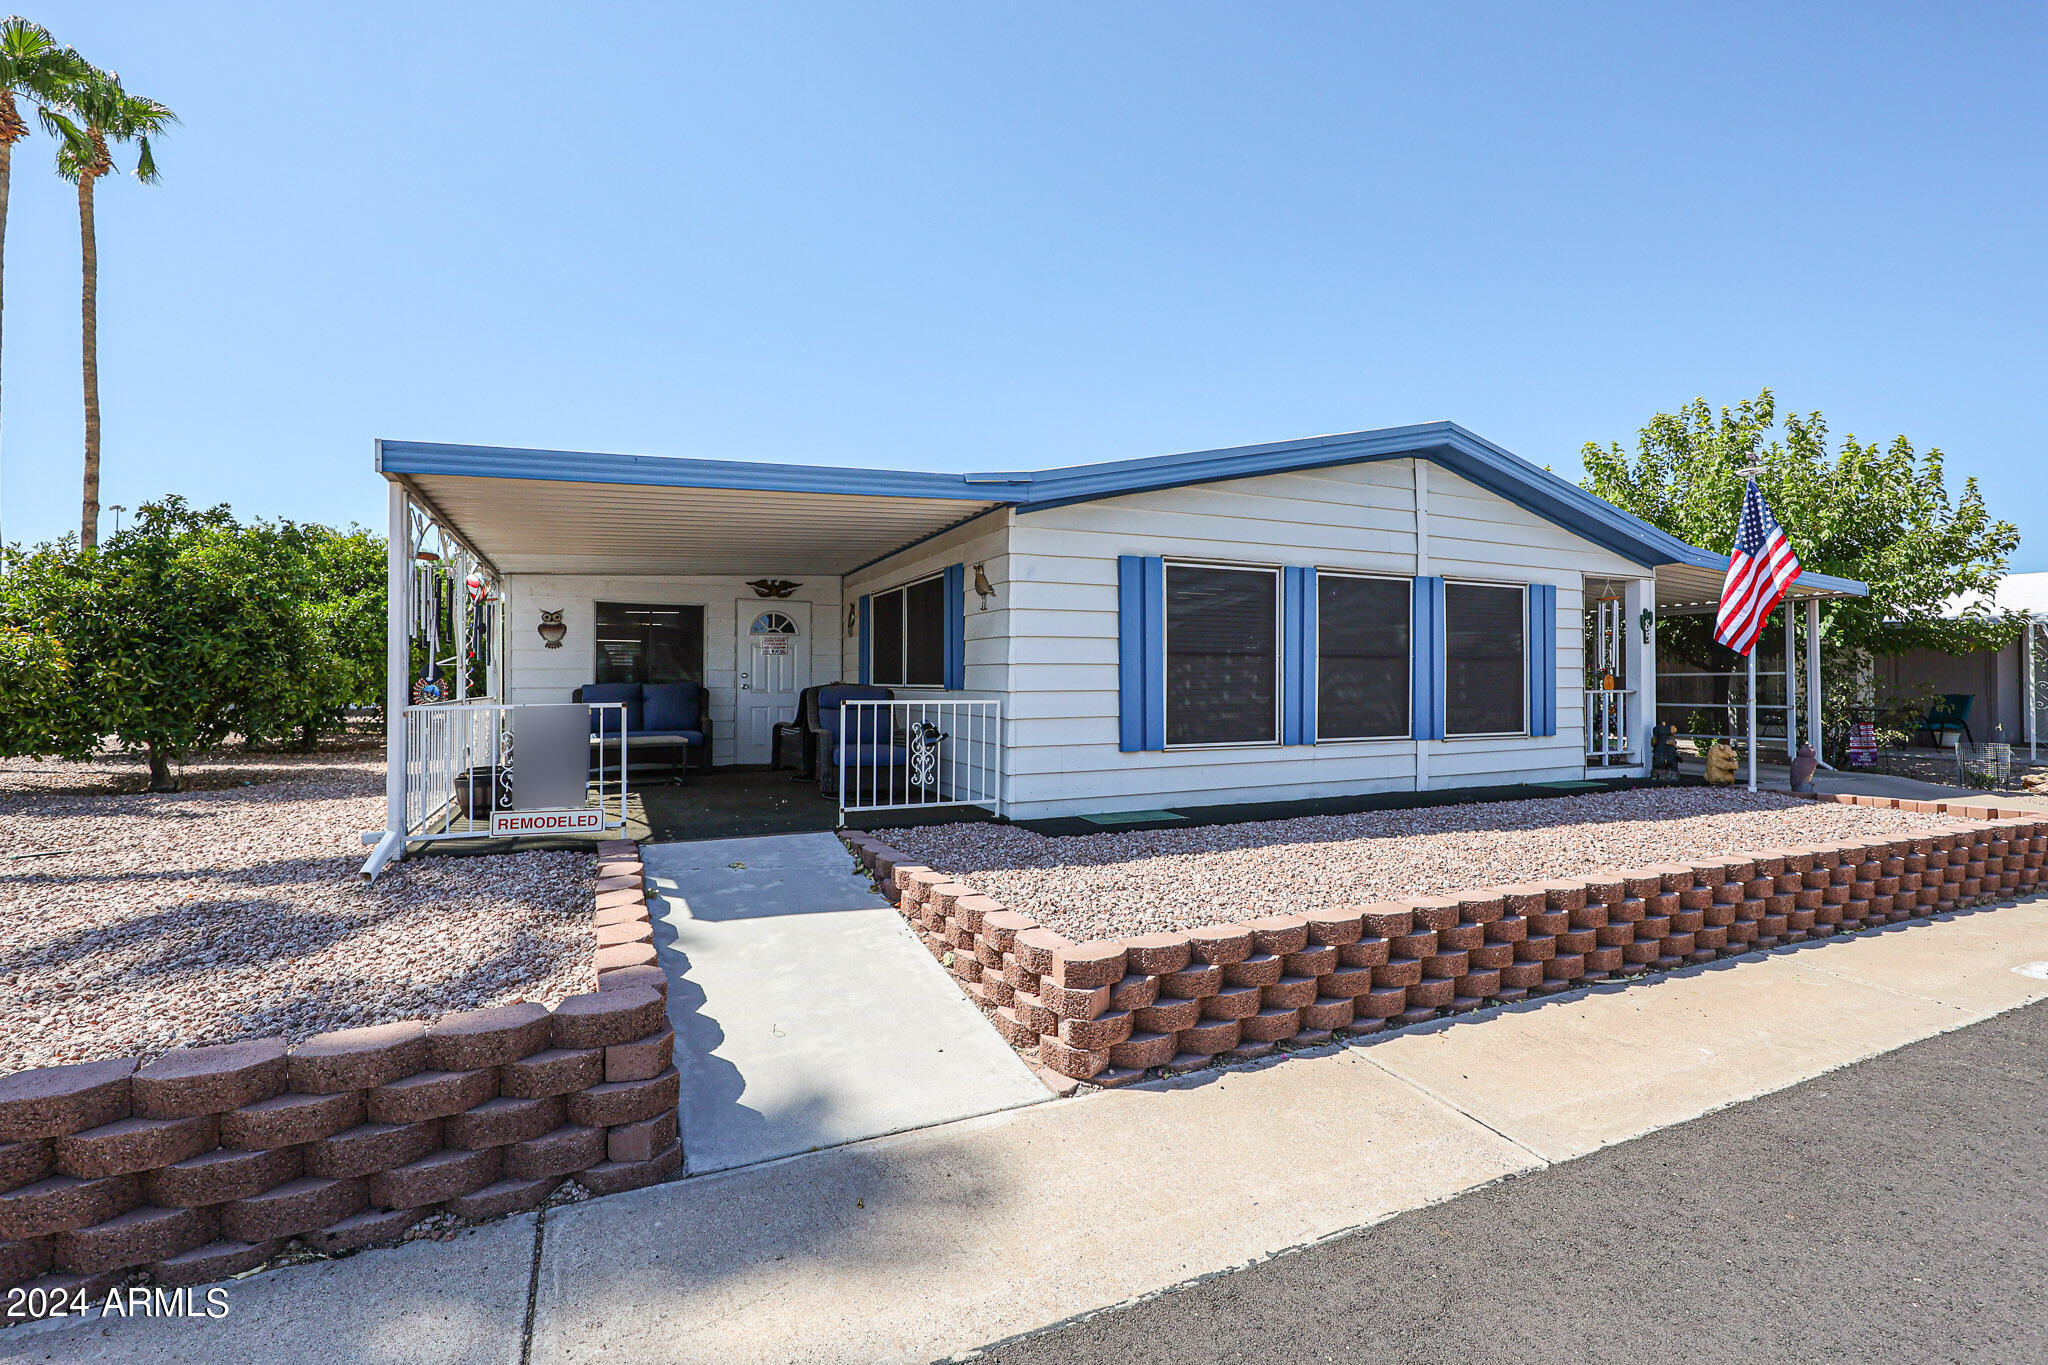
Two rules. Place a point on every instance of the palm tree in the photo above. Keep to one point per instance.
(34, 68)
(97, 115)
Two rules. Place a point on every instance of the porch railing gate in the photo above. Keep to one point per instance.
(461, 757)
(906, 755)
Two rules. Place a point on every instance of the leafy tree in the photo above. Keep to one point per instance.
(342, 631)
(1879, 514)
(185, 628)
(96, 115)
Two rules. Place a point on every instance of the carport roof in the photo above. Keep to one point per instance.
(531, 511)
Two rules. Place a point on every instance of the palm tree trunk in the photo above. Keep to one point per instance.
(6, 179)
(89, 336)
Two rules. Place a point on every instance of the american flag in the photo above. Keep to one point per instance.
(1760, 568)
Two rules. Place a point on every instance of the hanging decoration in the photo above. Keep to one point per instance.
(773, 587)
(551, 629)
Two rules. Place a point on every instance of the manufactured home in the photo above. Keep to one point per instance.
(1380, 611)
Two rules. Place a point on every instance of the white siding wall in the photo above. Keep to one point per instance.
(537, 673)
(1060, 601)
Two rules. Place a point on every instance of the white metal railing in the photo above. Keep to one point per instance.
(1689, 701)
(460, 759)
(901, 755)
(1607, 731)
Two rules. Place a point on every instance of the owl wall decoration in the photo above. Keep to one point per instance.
(551, 628)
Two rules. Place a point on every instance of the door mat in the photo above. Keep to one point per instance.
(1133, 817)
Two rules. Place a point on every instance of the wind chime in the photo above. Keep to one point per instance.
(451, 627)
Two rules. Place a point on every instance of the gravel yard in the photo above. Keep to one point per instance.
(1114, 885)
(138, 923)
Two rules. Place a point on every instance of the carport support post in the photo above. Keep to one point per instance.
(1813, 674)
(397, 602)
(1791, 684)
(1639, 665)
(2027, 643)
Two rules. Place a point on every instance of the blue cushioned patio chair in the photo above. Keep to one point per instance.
(866, 742)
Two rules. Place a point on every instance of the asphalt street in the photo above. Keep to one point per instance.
(1894, 1210)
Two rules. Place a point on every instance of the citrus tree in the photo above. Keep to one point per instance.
(1879, 513)
(186, 628)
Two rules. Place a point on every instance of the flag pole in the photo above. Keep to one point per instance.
(1749, 473)
(1752, 717)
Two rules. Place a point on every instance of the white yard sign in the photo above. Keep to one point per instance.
(545, 821)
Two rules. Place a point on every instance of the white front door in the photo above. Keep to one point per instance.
(775, 666)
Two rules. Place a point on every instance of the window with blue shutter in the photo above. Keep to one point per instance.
(1141, 652)
(866, 652)
(1426, 668)
(1542, 658)
(1298, 657)
(956, 626)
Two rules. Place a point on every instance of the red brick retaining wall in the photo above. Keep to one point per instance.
(1112, 1010)
(206, 1161)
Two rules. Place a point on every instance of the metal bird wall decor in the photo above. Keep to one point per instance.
(982, 587)
(773, 587)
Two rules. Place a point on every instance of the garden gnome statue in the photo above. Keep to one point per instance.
(1720, 764)
(1802, 769)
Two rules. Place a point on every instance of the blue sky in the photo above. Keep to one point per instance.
(980, 236)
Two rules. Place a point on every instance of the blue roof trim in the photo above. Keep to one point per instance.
(668, 471)
(1470, 456)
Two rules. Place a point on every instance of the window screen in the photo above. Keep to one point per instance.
(1222, 655)
(637, 643)
(908, 643)
(1361, 657)
(1484, 676)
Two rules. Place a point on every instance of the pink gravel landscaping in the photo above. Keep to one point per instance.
(137, 923)
(1121, 884)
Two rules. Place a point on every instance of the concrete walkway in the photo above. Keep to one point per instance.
(806, 1013)
(914, 1247)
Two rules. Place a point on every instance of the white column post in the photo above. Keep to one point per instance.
(2027, 643)
(397, 664)
(1813, 674)
(1421, 469)
(1791, 686)
(1639, 666)
(1752, 715)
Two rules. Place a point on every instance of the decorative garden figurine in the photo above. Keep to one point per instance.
(1664, 749)
(552, 628)
(1802, 769)
(1720, 764)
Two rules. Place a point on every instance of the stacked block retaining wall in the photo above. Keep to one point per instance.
(1110, 1011)
(206, 1161)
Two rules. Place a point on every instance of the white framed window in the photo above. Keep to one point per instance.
(1364, 629)
(1222, 655)
(907, 640)
(1486, 668)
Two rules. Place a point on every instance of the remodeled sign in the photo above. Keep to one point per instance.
(546, 821)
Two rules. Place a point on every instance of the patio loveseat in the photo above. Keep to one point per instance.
(668, 725)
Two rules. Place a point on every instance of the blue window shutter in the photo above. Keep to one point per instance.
(1542, 658)
(1141, 652)
(1426, 668)
(867, 663)
(956, 627)
(1298, 656)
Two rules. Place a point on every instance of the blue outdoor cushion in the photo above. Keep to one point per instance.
(687, 736)
(872, 755)
(629, 693)
(670, 706)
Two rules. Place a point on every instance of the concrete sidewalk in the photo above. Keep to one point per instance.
(806, 1012)
(918, 1246)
